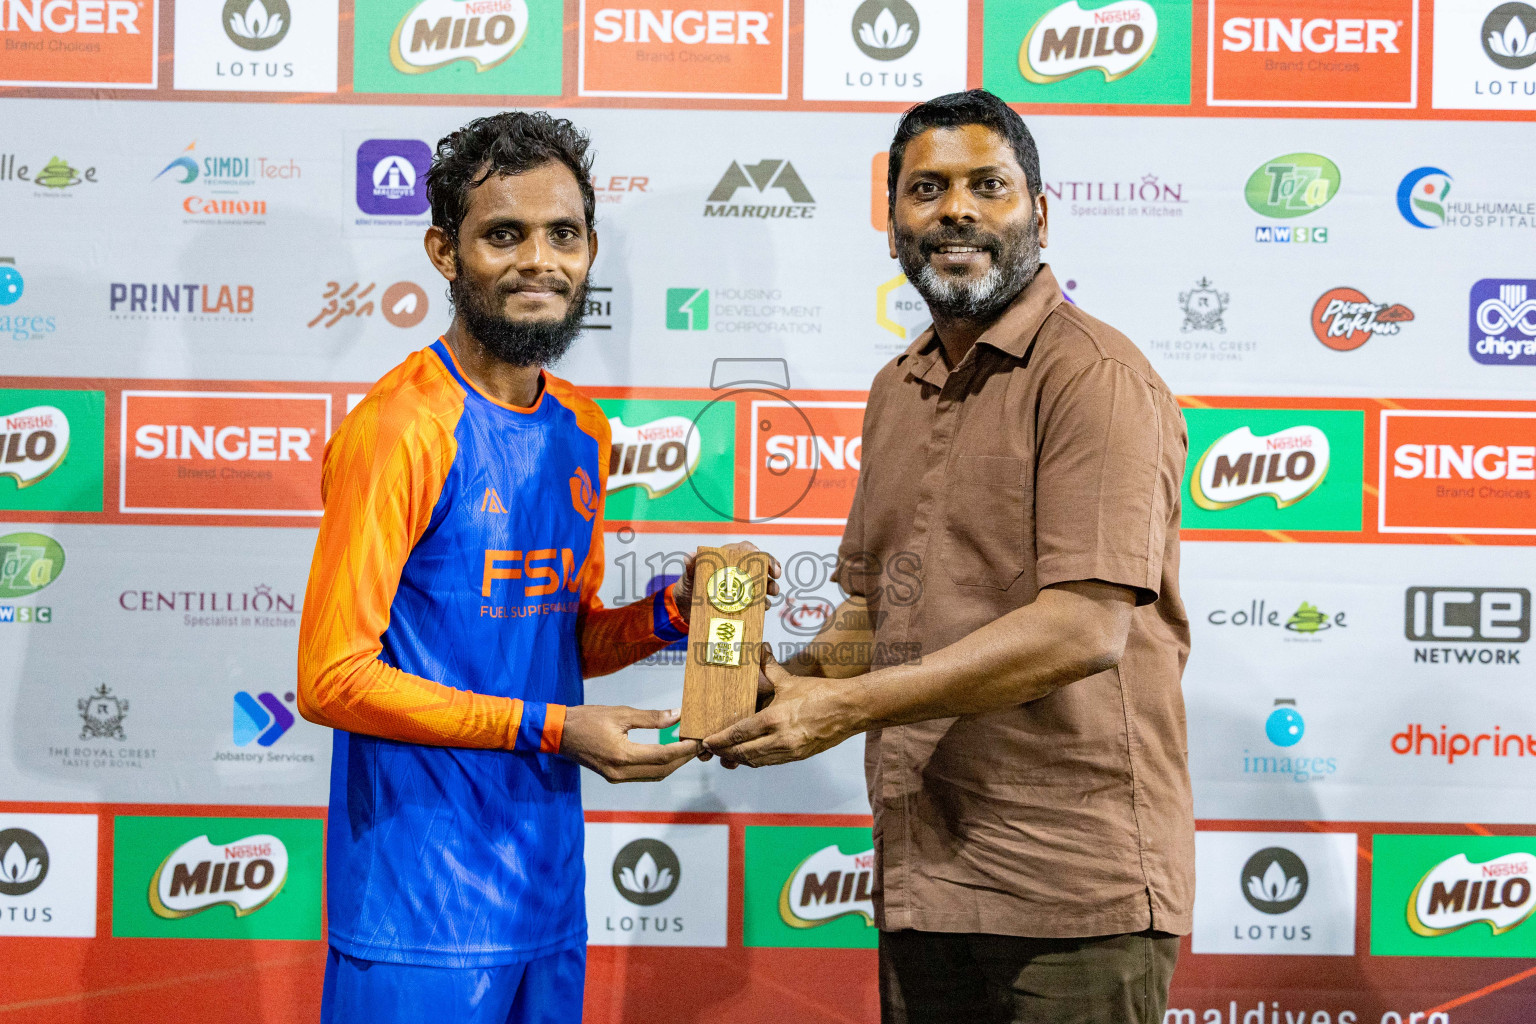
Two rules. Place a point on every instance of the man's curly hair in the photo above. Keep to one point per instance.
(510, 142)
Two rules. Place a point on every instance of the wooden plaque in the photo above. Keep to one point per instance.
(725, 631)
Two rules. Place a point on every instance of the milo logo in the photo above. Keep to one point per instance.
(1287, 465)
(1458, 892)
(657, 455)
(33, 443)
(245, 875)
(827, 885)
(435, 33)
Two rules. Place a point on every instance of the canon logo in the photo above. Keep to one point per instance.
(86, 16)
(1464, 462)
(226, 444)
(690, 27)
(1317, 35)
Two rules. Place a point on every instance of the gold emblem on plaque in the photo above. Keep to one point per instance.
(724, 643)
(729, 590)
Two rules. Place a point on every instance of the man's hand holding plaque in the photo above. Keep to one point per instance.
(727, 600)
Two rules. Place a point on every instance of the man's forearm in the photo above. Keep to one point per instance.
(843, 647)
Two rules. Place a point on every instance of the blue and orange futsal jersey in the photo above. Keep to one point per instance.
(451, 614)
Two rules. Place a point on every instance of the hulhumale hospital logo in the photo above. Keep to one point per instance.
(1421, 197)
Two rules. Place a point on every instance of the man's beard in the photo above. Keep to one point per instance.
(1015, 260)
(519, 342)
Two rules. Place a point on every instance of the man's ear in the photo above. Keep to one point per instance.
(591, 249)
(1042, 207)
(890, 233)
(440, 251)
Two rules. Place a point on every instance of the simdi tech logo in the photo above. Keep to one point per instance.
(717, 49)
(1485, 55)
(51, 449)
(1453, 895)
(217, 878)
(1126, 51)
(1300, 53)
(86, 43)
(1446, 471)
(1275, 469)
(256, 45)
(473, 47)
(809, 887)
(884, 49)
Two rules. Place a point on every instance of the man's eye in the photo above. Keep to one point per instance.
(565, 234)
(925, 188)
(991, 184)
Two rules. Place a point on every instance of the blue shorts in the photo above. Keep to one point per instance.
(543, 991)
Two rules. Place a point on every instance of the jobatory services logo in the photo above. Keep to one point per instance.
(1467, 625)
(1275, 893)
(1452, 895)
(28, 563)
(656, 885)
(80, 43)
(1290, 186)
(775, 180)
(392, 178)
(718, 49)
(48, 875)
(671, 460)
(1344, 319)
(222, 453)
(477, 47)
(256, 45)
(262, 718)
(51, 449)
(805, 460)
(1302, 54)
(223, 878)
(402, 304)
(1457, 472)
(1126, 51)
(883, 49)
(809, 887)
(1485, 56)
(1502, 321)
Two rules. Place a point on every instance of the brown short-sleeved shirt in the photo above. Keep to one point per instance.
(1053, 452)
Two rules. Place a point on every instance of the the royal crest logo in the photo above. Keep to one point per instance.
(1287, 466)
(102, 714)
(1344, 319)
(33, 443)
(245, 874)
(1203, 307)
(827, 885)
(435, 33)
(1113, 40)
(1458, 892)
(658, 455)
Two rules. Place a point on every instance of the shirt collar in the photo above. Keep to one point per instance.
(1013, 332)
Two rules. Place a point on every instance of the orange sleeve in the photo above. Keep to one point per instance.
(383, 472)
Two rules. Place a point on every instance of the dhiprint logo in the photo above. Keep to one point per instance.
(687, 309)
(1274, 881)
(435, 33)
(1113, 40)
(1344, 319)
(885, 29)
(778, 175)
(1509, 36)
(256, 24)
(1287, 466)
(1502, 317)
(1421, 197)
(23, 862)
(262, 718)
(392, 177)
(646, 872)
(245, 874)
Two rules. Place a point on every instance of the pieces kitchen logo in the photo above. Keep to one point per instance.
(1485, 56)
(225, 189)
(718, 49)
(103, 740)
(1449, 895)
(1467, 626)
(55, 178)
(188, 301)
(1285, 759)
(217, 453)
(1501, 315)
(1128, 51)
(88, 43)
(28, 563)
(1202, 335)
(1145, 196)
(1445, 471)
(884, 49)
(1306, 624)
(774, 181)
(48, 874)
(1429, 198)
(1301, 54)
(256, 45)
(656, 885)
(1275, 893)
(21, 322)
(1344, 319)
(1290, 186)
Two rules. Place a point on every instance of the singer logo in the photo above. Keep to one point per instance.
(1453, 472)
(805, 461)
(1298, 54)
(1238, 467)
(722, 49)
(222, 453)
(79, 42)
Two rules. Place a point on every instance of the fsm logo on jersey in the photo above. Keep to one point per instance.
(1501, 318)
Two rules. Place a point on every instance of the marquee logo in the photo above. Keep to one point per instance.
(1300, 53)
(1113, 40)
(827, 885)
(657, 455)
(1455, 472)
(33, 443)
(435, 33)
(1293, 185)
(1344, 319)
(1238, 467)
(774, 174)
(1502, 322)
(107, 43)
(723, 49)
(1458, 892)
(245, 874)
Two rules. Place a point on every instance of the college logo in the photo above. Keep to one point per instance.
(1293, 185)
(227, 453)
(249, 878)
(809, 887)
(487, 47)
(392, 176)
(1286, 466)
(28, 563)
(778, 175)
(102, 714)
(110, 44)
(720, 49)
(262, 718)
(1509, 36)
(656, 456)
(1421, 197)
(646, 872)
(1454, 472)
(1303, 56)
(656, 885)
(1307, 620)
(805, 461)
(48, 874)
(1125, 51)
(57, 176)
(435, 33)
(1502, 328)
(254, 25)
(671, 460)
(1269, 893)
(1344, 319)
(1274, 881)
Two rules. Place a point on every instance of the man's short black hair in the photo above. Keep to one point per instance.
(962, 108)
(510, 142)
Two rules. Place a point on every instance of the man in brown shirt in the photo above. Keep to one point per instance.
(1026, 759)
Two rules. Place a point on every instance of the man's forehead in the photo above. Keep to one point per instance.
(545, 192)
(959, 149)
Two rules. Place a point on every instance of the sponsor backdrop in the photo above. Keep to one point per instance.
(1316, 218)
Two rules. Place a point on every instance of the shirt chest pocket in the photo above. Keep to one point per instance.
(985, 508)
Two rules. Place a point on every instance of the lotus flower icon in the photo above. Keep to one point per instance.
(16, 868)
(1514, 41)
(886, 34)
(1275, 886)
(1509, 36)
(645, 876)
(257, 24)
(885, 29)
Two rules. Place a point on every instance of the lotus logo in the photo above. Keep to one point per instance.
(256, 24)
(245, 874)
(23, 862)
(1457, 892)
(885, 29)
(646, 872)
(1421, 197)
(1287, 465)
(1274, 881)
(1509, 36)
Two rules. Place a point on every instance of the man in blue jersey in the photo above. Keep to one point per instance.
(452, 613)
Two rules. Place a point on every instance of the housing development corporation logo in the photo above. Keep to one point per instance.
(1452, 895)
(773, 179)
(1344, 319)
(1125, 51)
(1455, 472)
(1502, 321)
(106, 43)
(721, 49)
(1275, 893)
(1299, 53)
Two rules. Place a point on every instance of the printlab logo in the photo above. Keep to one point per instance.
(1509, 36)
(1344, 319)
(885, 29)
(391, 177)
(688, 309)
(23, 862)
(256, 24)
(262, 718)
(1274, 881)
(1203, 307)
(646, 872)
(1421, 197)
(768, 178)
(1502, 315)
(102, 714)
